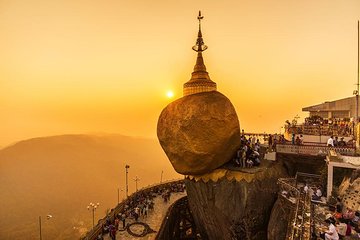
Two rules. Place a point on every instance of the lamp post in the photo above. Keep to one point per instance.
(40, 227)
(93, 207)
(47, 217)
(136, 179)
(161, 176)
(358, 84)
(127, 184)
(118, 194)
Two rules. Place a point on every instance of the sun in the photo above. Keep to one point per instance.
(170, 94)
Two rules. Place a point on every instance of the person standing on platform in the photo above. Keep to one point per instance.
(306, 188)
(253, 141)
(330, 142)
(123, 219)
(116, 222)
(270, 140)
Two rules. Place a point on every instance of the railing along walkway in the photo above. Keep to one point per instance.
(180, 224)
(312, 150)
(291, 194)
(299, 223)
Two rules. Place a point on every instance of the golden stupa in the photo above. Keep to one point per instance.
(200, 80)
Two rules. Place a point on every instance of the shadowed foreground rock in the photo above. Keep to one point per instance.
(234, 205)
(279, 219)
(199, 132)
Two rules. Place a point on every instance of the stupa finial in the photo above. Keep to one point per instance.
(199, 46)
(200, 18)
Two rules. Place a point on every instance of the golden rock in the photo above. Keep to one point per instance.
(199, 132)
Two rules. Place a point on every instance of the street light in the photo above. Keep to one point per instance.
(93, 207)
(47, 217)
(136, 179)
(119, 194)
(127, 185)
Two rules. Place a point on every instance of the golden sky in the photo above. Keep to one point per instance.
(105, 66)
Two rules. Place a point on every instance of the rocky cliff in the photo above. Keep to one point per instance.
(230, 204)
(279, 219)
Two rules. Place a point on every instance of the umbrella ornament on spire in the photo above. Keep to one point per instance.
(199, 46)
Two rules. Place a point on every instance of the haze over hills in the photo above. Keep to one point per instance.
(61, 175)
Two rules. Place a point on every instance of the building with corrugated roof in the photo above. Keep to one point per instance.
(340, 109)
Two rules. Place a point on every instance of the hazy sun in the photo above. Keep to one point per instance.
(170, 94)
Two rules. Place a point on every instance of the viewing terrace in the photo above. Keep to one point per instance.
(313, 149)
(324, 129)
(145, 227)
(305, 149)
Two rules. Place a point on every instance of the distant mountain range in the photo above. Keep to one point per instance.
(61, 175)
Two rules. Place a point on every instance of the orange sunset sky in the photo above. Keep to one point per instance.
(105, 66)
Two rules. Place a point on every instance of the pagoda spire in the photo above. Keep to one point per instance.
(199, 47)
(200, 80)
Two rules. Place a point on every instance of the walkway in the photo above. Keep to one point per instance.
(154, 218)
(301, 223)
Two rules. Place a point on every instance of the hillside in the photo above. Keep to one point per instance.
(61, 175)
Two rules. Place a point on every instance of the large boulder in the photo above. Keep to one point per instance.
(199, 132)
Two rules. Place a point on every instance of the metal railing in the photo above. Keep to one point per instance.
(298, 229)
(301, 227)
(288, 190)
(312, 150)
(179, 222)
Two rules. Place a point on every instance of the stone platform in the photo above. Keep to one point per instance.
(154, 219)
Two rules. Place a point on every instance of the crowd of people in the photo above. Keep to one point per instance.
(342, 223)
(297, 140)
(316, 125)
(331, 221)
(248, 155)
(139, 206)
(335, 142)
(316, 193)
(275, 139)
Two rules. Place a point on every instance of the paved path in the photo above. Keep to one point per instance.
(154, 218)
